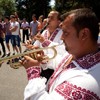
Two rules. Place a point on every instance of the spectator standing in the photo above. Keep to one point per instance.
(40, 22)
(8, 34)
(25, 29)
(15, 29)
(33, 26)
(2, 36)
(45, 21)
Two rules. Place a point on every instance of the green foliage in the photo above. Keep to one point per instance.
(7, 7)
(66, 5)
(28, 7)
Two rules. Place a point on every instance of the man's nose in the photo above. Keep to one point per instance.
(62, 37)
(48, 20)
(60, 25)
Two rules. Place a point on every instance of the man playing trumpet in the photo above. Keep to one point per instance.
(76, 76)
(50, 36)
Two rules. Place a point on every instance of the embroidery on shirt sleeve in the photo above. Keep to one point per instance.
(33, 73)
(72, 92)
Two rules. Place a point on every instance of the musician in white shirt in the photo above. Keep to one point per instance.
(77, 75)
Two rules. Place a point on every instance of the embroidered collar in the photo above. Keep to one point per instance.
(85, 62)
(53, 35)
(89, 60)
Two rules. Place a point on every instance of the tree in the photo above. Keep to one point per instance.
(66, 5)
(27, 7)
(7, 7)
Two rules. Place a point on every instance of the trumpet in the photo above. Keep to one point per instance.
(16, 65)
(44, 27)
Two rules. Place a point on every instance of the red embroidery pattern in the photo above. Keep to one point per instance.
(52, 37)
(54, 76)
(45, 35)
(33, 73)
(46, 43)
(72, 92)
(71, 65)
(89, 60)
(54, 34)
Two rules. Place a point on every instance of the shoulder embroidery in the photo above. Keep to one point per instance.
(89, 60)
(54, 34)
(33, 73)
(46, 43)
(54, 76)
(72, 92)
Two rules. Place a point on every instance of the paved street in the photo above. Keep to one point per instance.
(12, 82)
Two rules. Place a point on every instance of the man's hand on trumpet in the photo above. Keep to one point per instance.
(32, 59)
(27, 62)
(29, 45)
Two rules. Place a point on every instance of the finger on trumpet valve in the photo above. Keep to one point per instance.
(21, 60)
(14, 63)
(39, 57)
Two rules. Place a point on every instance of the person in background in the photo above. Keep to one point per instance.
(76, 76)
(17, 17)
(14, 28)
(33, 26)
(40, 22)
(25, 30)
(8, 35)
(2, 36)
(45, 20)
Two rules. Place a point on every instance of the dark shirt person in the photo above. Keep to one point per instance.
(2, 36)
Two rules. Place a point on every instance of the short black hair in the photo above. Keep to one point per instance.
(84, 18)
(7, 17)
(34, 15)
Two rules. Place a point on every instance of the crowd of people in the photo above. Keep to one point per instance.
(10, 31)
(74, 73)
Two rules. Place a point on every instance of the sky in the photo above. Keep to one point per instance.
(52, 2)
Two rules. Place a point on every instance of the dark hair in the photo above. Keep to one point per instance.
(85, 18)
(24, 18)
(7, 17)
(34, 15)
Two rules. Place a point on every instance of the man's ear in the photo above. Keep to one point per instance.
(84, 34)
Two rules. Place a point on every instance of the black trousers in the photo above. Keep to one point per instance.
(47, 73)
(2, 44)
(25, 33)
